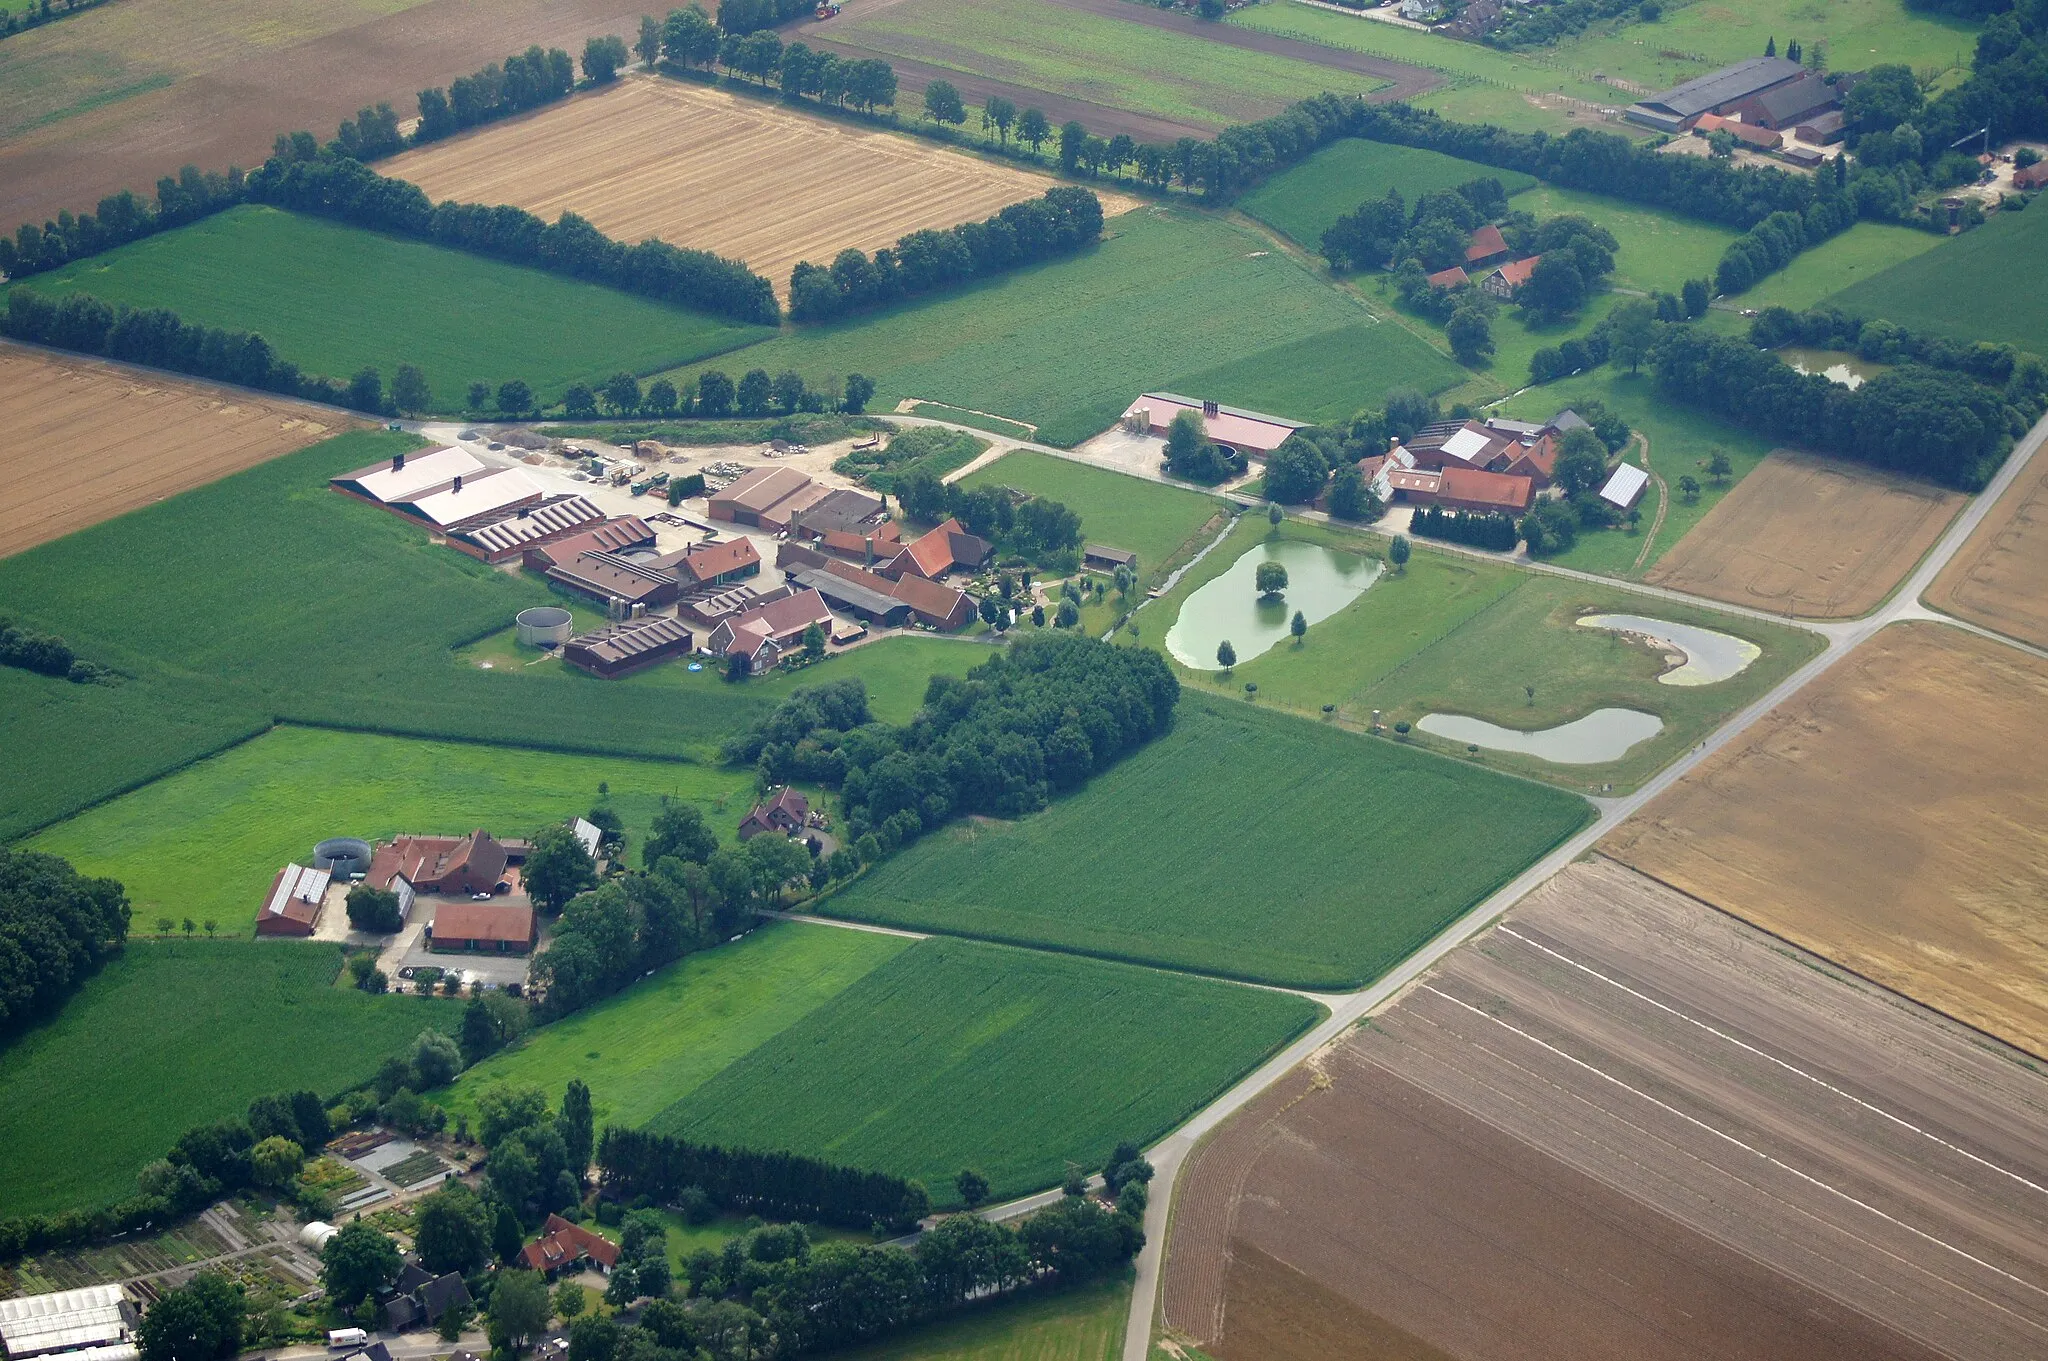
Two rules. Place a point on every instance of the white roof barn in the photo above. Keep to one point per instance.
(96, 1323)
(1625, 486)
(407, 475)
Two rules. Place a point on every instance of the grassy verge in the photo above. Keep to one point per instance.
(995, 425)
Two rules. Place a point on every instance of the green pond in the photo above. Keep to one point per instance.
(1320, 582)
(1837, 366)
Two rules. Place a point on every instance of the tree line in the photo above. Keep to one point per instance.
(639, 1162)
(2023, 375)
(47, 655)
(715, 395)
(523, 81)
(1491, 530)
(56, 927)
(1064, 220)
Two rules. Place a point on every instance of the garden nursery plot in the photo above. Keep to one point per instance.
(2000, 577)
(1213, 849)
(1067, 345)
(1303, 202)
(205, 842)
(130, 438)
(1964, 289)
(692, 166)
(957, 1054)
(655, 1043)
(334, 299)
(167, 1026)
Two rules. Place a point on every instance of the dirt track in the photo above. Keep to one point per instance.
(82, 441)
(2000, 579)
(1818, 538)
(1625, 1125)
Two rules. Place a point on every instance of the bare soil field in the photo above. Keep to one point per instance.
(85, 441)
(702, 168)
(1625, 1125)
(1808, 536)
(2000, 578)
(122, 95)
(1893, 817)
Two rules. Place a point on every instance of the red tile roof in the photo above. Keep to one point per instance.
(1454, 277)
(1475, 487)
(561, 1243)
(465, 920)
(711, 561)
(1515, 273)
(1486, 243)
(931, 555)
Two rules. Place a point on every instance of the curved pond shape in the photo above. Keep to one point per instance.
(1601, 736)
(1320, 582)
(1852, 371)
(1709, 656)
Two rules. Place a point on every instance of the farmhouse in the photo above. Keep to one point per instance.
(562, 1245)
(767, 497)
(1250, 433)
(96, 1323)
(1459, 488)
(1454, 277)
(763, 634)
(1506, 281)
(877, 599)
(292, 907)
(1625, 487)
(1724, 92)
(788, 813)
(623, 648)
(938, 552)
(717, 564)
(509, 536)
(445, 864)
(1487, 247)
(483, 928)
(421, 1297)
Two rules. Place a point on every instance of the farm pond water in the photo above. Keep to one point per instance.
(1852, 371)
(1601, 736)
(1709, 656)
(1320, 582)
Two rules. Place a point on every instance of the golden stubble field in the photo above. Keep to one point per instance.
(1807, 536)
(712, 171)
(86, 441)
(2000, 578)
(1892, 816)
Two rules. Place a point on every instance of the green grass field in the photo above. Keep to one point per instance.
(1082, 1324)
(175, 1034)
(204, 843)
(1865, 251)
(958, 1054)
(334, 299)
(1233, 845)
(1303, 202)
(1066, 345)
(1091, 56)
(655, 1043)
(1325, 379)
(1974, 287)
(1147, 518)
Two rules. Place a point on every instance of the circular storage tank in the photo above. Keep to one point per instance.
(342, 856)
(544, 626)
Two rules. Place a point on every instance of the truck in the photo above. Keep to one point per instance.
(828, 8)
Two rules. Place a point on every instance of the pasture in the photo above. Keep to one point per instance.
(1935, 896)
(687, 164)
(2000, 577)
(129, 438)
(1964, 288)
(1150, 519)
(168, 1026)
(334, 299)
(1067, 344)
(1804, 535)
(1865, 251)
(1302, 203)
(204, 843)
(1213, 849)
(1085, 1323)
(958, 1054)
(650, 1046)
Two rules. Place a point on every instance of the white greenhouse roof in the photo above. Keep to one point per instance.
(67, 1321)
(477, 496)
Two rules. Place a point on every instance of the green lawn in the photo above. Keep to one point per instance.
(1658, 250)
(1147, 518)
(1326, 379)
(1302, 203)
(1865, 251)
(1082, 1324)
(1975, 287)
(958, 1054)
(1245, 842)
(204, 843)
(334, 299)
(174, 1034)
(1066, 345)
(655, 1043)
(1096, 57)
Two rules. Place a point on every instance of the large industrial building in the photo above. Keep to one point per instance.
(96, 1323)
(1765, 92)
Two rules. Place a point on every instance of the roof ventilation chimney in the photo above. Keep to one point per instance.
(1211, 410)
(458, 483)
(398, 463)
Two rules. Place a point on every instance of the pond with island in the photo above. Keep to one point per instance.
(1320, 582)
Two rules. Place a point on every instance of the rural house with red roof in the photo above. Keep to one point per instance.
(563, 1245)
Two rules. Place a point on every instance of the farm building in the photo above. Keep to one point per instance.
(1506, 281)
(1724, 92)
(1486, 247)
(763, 634)
(1625, 487)
(628, 534)
(448, 488)
(1788, 105)
(562, 1245)
(767, 497)
(2033, 176)
(645, 581)
(1251, 433)
(292, 907)
(445, 864)
(1823, 129)
(1459, 488)
(508, 537)
(623, 648)
(470, 927)
(1103, 558)
(842, 510)
(710, 606)
(880, 600)
(718, 563)
(96, 1323)
(421, 1297)
(1454, 277)
(788, 813)
(945, 547)
(1749, 134)
(1537, 462)
(1805, 157)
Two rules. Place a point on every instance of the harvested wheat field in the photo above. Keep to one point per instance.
(86, 441)
(1892, 816)
(1624, 1125)
(712, 171)
(2000, 578)
(1808, 536)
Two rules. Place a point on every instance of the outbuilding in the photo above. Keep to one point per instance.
(483, 928)
(1625, 487)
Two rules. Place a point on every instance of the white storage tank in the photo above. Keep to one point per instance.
(545, 626)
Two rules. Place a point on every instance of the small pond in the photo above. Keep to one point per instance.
(1709, 656)
(1837, 366)
(1601, 736)
(1320, 582)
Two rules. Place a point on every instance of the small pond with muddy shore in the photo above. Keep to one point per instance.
(1320, 582)
(1601, 736)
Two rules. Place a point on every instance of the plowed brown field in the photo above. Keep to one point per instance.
(1623, 1125)
(713, 171)
(82, 441)
(1892, 816)
(2000, 578)
(1808, 536)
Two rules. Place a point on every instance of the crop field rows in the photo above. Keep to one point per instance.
(2000, 578)
(1963, 289)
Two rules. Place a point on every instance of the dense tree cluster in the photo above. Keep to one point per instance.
(2024, 376)
(523, 81)
(1939, 424)
(121, 218)
(1192, 455)
(56, 927)
(44, 653)
(1776, 241)
(20, 18)
(1435, 232)
(198, 1321)
(1035, 527)
(748, 16)
(1491, 530)
(638, 1162)
(1066, 219)
(1526, 26)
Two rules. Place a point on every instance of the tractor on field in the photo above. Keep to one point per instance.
(828, 9)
